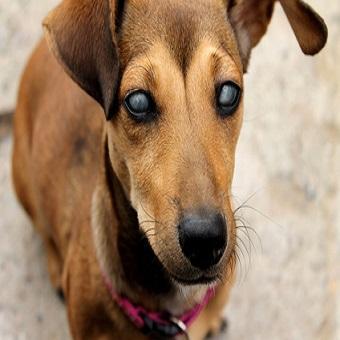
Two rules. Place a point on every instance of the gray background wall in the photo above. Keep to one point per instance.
(288, 163)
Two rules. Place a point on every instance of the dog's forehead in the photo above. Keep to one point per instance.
(180, 25)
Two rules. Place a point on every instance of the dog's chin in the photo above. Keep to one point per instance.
(192, 276)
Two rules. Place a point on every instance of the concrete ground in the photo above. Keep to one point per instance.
(288, 165)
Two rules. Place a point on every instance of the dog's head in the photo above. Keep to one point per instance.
(169, 76)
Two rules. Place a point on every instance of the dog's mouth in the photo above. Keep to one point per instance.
(181, 272)
(188, 277)
(201, 280)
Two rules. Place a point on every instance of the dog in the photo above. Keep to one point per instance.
(125, 131)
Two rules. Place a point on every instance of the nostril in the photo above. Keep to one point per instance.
(203, 238)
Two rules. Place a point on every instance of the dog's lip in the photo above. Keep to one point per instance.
(203, 279)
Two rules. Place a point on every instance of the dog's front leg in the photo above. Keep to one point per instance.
(85, 295)
(91, 312)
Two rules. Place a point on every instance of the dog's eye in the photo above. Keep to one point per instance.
(228, 98)
(140, 105)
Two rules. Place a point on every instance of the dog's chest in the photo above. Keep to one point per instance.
(184, 298)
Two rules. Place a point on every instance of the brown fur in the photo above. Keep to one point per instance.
(108, 195)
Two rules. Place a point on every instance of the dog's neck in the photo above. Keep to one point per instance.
(125, 254)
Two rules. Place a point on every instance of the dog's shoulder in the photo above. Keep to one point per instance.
(59, 132)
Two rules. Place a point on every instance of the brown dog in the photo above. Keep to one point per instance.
(135, 208)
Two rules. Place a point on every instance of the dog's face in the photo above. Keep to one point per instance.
(175, 104)
(173, 138)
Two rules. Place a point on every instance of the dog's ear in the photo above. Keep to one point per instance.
(81, 35)
(250, 19)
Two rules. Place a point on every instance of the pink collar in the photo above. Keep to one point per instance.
(161, 323)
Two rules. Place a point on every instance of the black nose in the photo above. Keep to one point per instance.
(203, 238)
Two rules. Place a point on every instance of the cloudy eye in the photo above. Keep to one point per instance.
(228, 98)
(140, 105)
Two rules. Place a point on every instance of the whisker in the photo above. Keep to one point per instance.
(245, 202)
(263, 215)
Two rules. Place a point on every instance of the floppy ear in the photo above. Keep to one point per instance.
(81, 35)
(250, 19)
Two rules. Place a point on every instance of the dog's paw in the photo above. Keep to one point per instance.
(218, 328)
